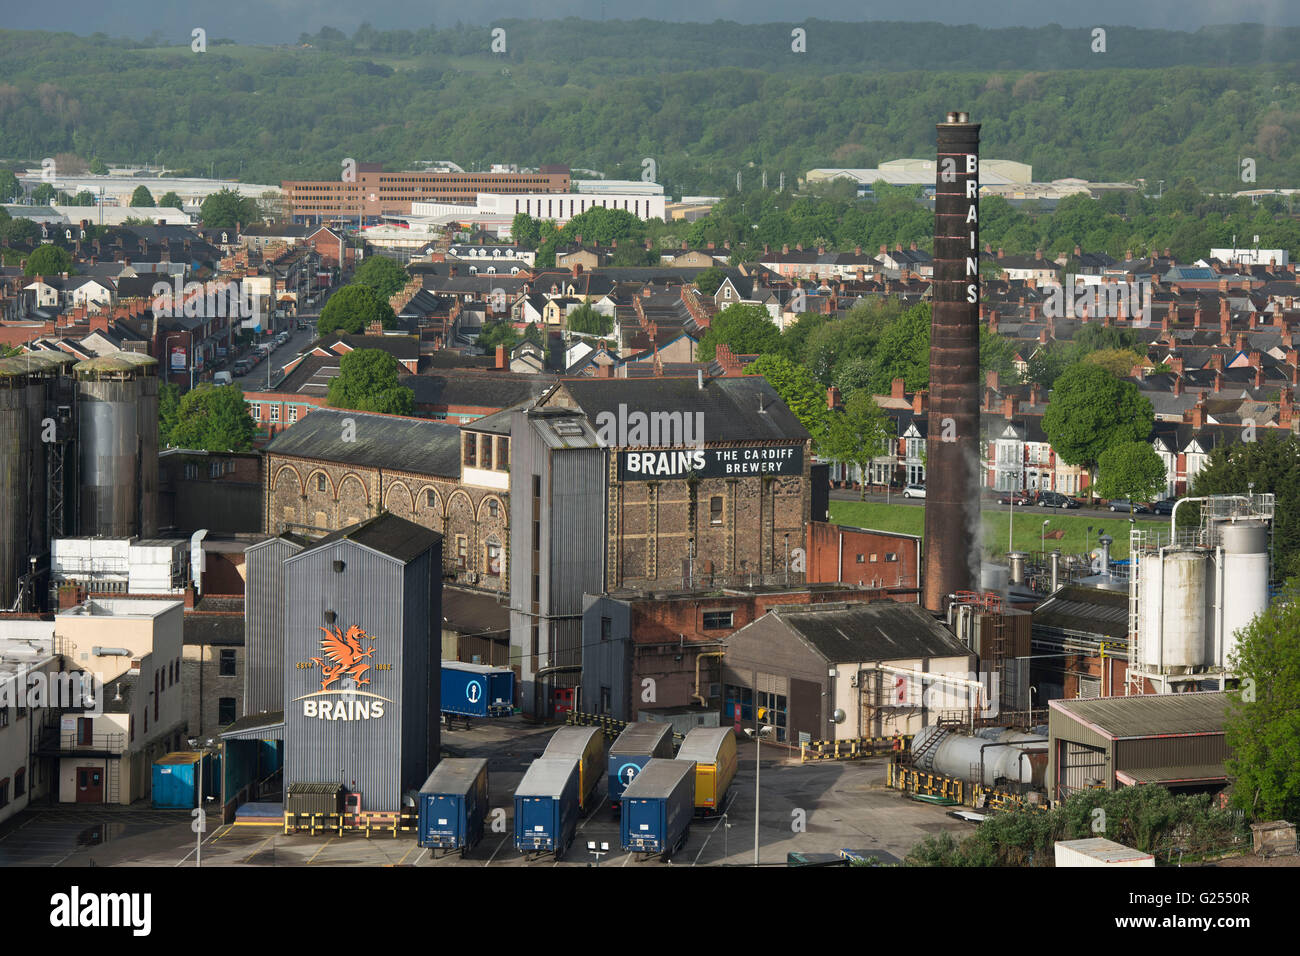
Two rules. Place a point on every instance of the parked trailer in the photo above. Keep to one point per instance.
(588, 745)
(635, 746)
(477, 690)
(714, 751)
(546, 806)
(658, 807)
(453, 804)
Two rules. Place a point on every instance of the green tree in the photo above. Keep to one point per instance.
(525, 231)
(533, 333)
(213, 418)
(1262, 730)
(352, 309)
(1089, 410)
(710, 280)
(44, 194)
(142, 197)
(802, 393)
(903, 351)
(1119, 362)
(584, 318)
(20, 231)
(1131, 470)
(746, 329)
(997, 354)
(169, 412)
(10, 190)
(382, 274)
(223, 209)
(1272, 464)
(83, 198)
(170, 200)
(367, 381)
(497, 333)
(97, 167)
(48, 260)
(1047, 364)
(857, 434)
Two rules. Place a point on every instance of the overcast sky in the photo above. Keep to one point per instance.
(275, 21)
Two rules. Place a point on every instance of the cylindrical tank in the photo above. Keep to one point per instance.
(993, 577)
(15, 470)
(1151, 595)
(1017, 562)
(1245, 579)
(959, 756)
(1173, 633)
(147, 423)
(108, 399)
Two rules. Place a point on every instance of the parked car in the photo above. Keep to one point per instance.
(1122, 504)
(914, 491)
(221, 378)
(1165, 506)
(1014, 497)
(1054, 499)
(242, 367)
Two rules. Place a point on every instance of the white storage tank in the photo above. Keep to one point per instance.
(1174, 598)
(1245, 578)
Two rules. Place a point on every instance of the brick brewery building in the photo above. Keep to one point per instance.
(375, 193)
(324, 474)
(646, 484)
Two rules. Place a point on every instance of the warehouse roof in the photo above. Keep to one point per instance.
(879, 631)
(746, 408)
(387, 534)
(267, 725)
(1085, 611)
(1183, 773)
(392, 442)
(1149, 715)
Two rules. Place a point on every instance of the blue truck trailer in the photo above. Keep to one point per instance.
(658, 807)
(477, 690)
(453, 804)
(636, 746)
(546, 806)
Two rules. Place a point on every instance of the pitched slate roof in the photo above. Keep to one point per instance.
(416, 445)
(483, 389)
(388, 534)
(879, 631)
(731, 406)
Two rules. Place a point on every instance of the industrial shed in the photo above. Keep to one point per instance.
(839, 671)
(1175, 740)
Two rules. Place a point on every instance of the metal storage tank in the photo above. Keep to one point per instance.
(147, 425)
(1244, 579)
(108, 405)
(15, 475)
(958, 756)
(1174, 597)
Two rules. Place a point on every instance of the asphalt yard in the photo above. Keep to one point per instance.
(820, 807)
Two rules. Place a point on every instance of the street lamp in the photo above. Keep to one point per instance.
(787, 557)
(200, 823)
(597, 851)
(1087, 538)
(758, 733)
(1042, 538)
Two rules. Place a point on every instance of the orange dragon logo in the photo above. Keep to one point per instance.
(345, 655)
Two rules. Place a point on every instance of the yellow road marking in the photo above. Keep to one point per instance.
(318, 852)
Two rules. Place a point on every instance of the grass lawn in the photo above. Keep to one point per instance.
(909, 519)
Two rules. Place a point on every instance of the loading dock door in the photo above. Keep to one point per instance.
(1079, 767)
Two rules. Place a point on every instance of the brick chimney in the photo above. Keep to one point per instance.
(1178, 386)
(1176, 364)
(991, 379)
(993, 320)
(832, 398)
(501, 357)
(1225, 319)
(1218, 382)
(576, 270)
(919, 401)
(1216, 362)
(1197, 316)
(453, 272)
(1286, 408)
(896, 388)
(1042, 337)
(1035, 394)
(1010, 406)
(1196, 414)
(1259, 377)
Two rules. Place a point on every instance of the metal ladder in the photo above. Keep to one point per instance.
(930, 744)
(112, 783)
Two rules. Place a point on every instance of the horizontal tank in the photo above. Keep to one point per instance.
(1244, 577)
(959, 756)
(1174, 596)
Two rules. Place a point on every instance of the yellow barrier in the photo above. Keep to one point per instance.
(854, 748)
(339, 823)
(910, 780)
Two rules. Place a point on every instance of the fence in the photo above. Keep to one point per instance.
(855, 748)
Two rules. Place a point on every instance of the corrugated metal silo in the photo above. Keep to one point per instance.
(15, 474)
(112, 448)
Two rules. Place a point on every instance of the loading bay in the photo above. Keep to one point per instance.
(820, 807)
